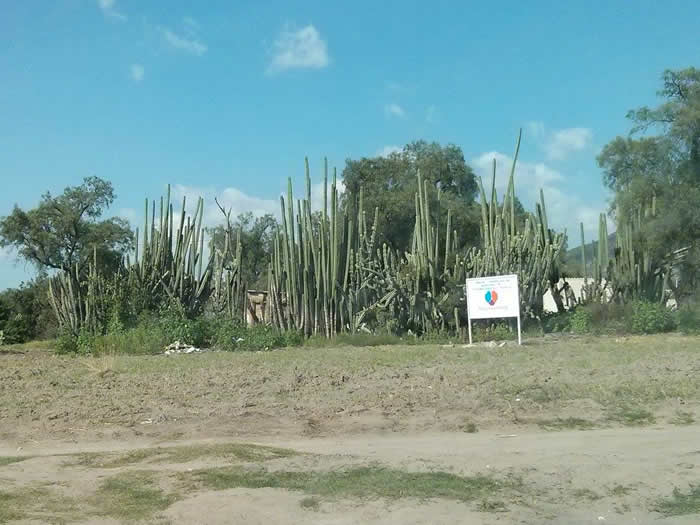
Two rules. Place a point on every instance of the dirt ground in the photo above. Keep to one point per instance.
(575, 431)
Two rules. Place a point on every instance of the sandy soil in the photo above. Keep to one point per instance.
(573, 477)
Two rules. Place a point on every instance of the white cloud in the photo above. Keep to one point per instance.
(137, 71)
(559, 144)
(388, 150)
(394, 110)
(566, 141)
(300, 49)
(6, 253)
(536, 130)
(565, 210)
(108, 9)
(189, 44)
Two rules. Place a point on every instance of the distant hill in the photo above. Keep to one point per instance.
(572, 257)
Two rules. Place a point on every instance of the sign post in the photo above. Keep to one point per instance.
(493, 297)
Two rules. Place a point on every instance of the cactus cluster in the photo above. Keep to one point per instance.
(168, 266)
(529, 250)
(326, 273)
(634, 272)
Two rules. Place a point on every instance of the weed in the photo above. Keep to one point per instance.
(587, 494)
(620, 490)
(183, 454)
(131, 495)
(680, 503)
(491, 506)
(632, 416)
(683, 418)
(359, 482)
(568, 423)
(9, 460)
(469, 427)
(310, 503)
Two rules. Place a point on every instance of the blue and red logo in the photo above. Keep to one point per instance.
(491, 297)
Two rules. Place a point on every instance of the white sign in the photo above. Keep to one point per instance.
(492, 297)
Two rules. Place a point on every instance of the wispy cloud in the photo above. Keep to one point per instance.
(394, 110)
(108, 8)
(388, 150)
(299, 49)
(566, 141)
(137, 72)
(559, 144)
(189, 43)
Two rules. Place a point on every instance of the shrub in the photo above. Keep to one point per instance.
(649, 318)
(581, 321)
(228, 334)
(147, 337)
(689, 318)
(2, 338)
(493, 332)
(85, 342)
(262, 337)
(557, 322)
(66, 342)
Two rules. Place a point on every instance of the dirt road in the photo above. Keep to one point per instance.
(573, 477)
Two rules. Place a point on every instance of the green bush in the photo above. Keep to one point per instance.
(144, 338)
(66, 342)
(493, 332)
(228, 335)
(2, 338)
(581, 321)
(556, 322)
(649, 318)
(688, 317)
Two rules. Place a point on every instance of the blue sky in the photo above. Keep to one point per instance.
(225, 98)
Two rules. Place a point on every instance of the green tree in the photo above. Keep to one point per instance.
(63, 230)
(256, 243)
(390, 183)
(660, 160)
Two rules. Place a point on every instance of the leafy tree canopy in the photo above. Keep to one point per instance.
(63, 230)
(389, 183)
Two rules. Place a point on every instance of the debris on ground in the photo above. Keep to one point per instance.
(181, 348)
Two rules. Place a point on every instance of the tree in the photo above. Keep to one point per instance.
(663, 168)
(390, 183)
(256, 243)
(63, 231)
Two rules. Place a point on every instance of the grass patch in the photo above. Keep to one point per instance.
(491, 506)
(586, 494)
(131, 496)
(360, 482)
(9, 460)
(183, 454)
(680, 503)
(632, 416)
(310, 503)
(620, 490)
(683, 418)
(469, 427)
(568, 423)
(36, 503)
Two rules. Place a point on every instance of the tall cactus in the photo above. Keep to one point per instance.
(531, 253)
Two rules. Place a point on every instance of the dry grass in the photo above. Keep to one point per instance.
(543, 382)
